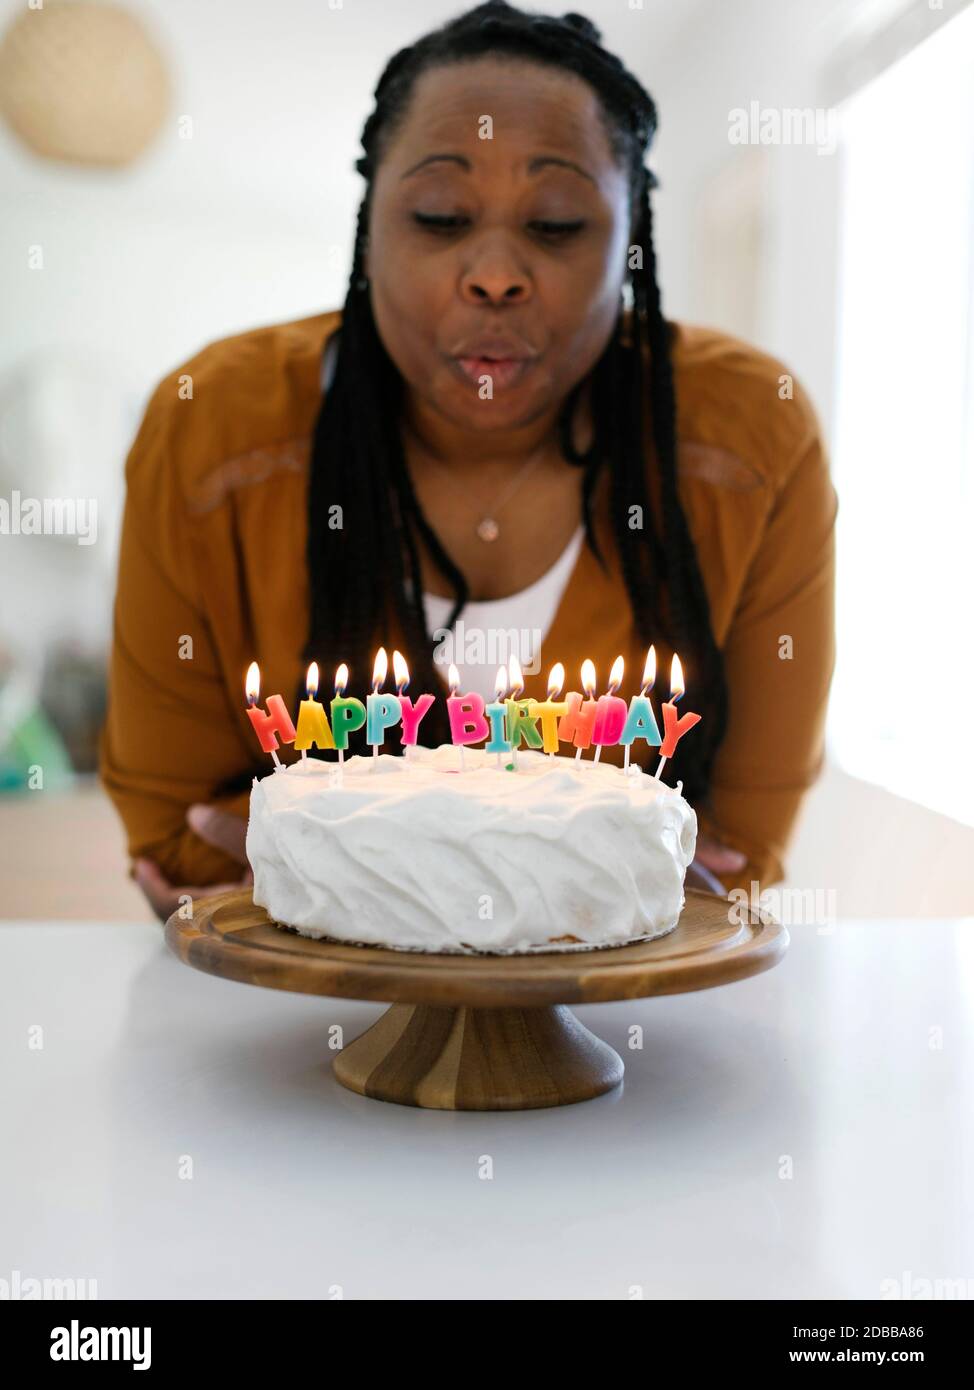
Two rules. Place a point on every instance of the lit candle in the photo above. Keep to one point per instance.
(641, 721)
(276, 723)
(576, 726)
(496, 714)
(673, 727)
(347, 713)
(467, 721)
(412, 715)
(313, 727)
(550, 711)
(610, 714)
(521, 721)
(382, 710)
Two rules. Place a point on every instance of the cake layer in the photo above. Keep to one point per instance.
(421, 855)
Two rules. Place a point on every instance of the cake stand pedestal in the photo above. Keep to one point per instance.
(479, 1032)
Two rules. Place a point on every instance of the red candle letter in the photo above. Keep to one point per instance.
(276, 722)
(674, 728)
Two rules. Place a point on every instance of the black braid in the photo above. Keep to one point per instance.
(358, 579)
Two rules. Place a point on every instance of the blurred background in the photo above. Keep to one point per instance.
(172, 172)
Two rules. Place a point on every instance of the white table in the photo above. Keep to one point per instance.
(671, 1185)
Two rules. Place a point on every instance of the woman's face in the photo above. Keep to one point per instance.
(501, 256)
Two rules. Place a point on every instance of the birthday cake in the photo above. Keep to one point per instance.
(450, 851)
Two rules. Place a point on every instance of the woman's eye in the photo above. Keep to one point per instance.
(438, 223)
(443, 222)
(557, 229)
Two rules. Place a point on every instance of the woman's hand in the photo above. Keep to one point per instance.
(711, 858)
(217, 828)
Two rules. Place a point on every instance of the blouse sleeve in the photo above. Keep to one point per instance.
(779, 657)
(170, 738)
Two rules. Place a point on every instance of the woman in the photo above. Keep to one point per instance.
(499, 436)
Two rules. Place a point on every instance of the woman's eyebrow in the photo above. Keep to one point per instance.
(539, 162)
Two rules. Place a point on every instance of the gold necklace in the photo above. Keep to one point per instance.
(488, 527)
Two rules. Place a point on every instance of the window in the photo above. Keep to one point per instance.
(903, 451)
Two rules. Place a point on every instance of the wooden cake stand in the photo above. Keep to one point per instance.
(478, 1032)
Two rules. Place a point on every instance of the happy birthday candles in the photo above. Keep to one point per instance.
(313, 729)
(641, 722)
(610, 713)
(412, 714)
(503, 725)
(270, 726)
(674, 727)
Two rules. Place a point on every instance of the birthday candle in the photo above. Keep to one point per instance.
(467, 721)
(674, 727)
(577, 724)
(521, 721)
(641, 722)
(313, 727)
(611, 711)
(383, 710)
(496, 715)
(276, 723)
(347, 714)
(412, 715)
(549, 711)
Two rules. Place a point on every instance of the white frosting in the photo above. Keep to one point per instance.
(418, 855)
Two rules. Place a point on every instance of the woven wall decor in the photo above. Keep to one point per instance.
(82, 82)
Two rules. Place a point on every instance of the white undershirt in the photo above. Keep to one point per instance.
(490, 629)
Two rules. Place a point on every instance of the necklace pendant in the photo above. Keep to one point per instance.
(488, 530)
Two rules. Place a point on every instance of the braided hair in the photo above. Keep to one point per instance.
(366, 573)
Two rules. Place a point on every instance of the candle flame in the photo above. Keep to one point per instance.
(400, 671)
(677, 683)
(616, 674)
(252, 683)
(341, 679)
(380, 670)
(649, 672)
(517, 676)
(312, 680)
(556, 680)
(588, 678)
(454, 678)
(500, 684)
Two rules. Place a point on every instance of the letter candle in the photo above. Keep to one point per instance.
(674, 728)
(467, 722)
(383, 710)
(313, 727)
(452, 703)
(549, 711)
(583, 715)
(275, 723)
(496, 714)
(641, 722)
(521, 714)
(346, 714)
(412, 715)
(611, 711)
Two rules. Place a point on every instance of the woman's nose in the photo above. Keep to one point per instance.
(498, 284)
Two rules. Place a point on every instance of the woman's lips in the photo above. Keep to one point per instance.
(503, 371)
